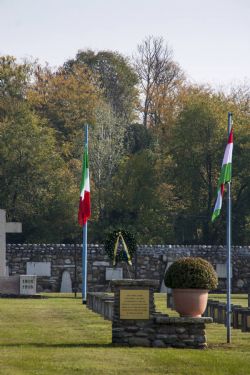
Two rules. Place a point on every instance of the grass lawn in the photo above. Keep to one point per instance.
(59, 335)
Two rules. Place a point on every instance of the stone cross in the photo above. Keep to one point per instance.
(6, 228)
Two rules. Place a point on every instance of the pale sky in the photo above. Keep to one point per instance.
(210, 38)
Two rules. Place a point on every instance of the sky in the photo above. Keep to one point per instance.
(210, 39)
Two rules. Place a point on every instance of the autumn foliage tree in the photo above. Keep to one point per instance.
(154, 174)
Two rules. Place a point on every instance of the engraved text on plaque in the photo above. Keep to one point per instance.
(134, 304)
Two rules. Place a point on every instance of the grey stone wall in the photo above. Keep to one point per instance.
(149, 263)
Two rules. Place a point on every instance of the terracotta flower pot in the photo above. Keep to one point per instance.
(190, 302)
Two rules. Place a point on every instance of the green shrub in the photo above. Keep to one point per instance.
(194, 273)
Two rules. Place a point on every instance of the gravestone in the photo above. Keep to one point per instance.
(6, 228)
(66, 284)
(27, 284)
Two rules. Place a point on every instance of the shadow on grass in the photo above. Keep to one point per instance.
(68, 345)
(61, 297)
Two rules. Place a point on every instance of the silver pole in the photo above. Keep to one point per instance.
(84, 244)
(229, 235)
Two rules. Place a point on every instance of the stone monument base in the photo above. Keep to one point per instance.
(162, 331)
(18, 285)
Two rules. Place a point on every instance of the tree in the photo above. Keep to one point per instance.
(159, 77)
(140, 201)
(66, 100)
(106, 149)
(117, 79)
(197, 145)
(34, 179)
(14, 80)
(137, 138)
(239, 100)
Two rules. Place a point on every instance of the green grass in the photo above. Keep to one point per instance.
(59, 335)
(238, 299)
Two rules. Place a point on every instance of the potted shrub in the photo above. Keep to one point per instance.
(191, 279)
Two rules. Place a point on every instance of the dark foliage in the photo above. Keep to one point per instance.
(194, 273)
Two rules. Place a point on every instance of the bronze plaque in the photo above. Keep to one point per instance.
(134, 304)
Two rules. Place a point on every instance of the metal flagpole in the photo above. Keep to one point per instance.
(84, 242)
(229, 209)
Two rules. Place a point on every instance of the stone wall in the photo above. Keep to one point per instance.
(150, 263)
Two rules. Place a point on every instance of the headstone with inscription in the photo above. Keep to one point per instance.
(27, 284)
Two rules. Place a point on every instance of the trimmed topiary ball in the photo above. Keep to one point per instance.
(191, 273)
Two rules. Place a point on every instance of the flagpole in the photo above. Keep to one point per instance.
(229, 209)
(84, 242)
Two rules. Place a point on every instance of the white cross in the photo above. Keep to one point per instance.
(6, 228)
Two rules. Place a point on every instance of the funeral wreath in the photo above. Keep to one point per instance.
(120, 245)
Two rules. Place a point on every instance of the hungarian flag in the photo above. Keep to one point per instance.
(225, 175)
(84, 211)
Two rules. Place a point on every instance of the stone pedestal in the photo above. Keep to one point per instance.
(10, 285)
(135, 322)
(6, 228)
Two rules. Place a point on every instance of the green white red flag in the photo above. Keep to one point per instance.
(84, 211)
(225, 175)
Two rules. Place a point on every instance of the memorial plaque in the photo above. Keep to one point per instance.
(39, 268)
(134, 304)
(114, 273)
(221, 269)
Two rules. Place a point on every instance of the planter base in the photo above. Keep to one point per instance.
(190, 302)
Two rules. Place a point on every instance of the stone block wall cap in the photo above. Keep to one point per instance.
(181, 320)
(135, 282)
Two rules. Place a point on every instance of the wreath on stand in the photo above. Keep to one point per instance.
(120, 245)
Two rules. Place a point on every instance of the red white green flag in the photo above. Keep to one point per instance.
(225, 175)
(84, 211)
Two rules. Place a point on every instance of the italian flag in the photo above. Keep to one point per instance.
(225, 175)
(84, 211)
